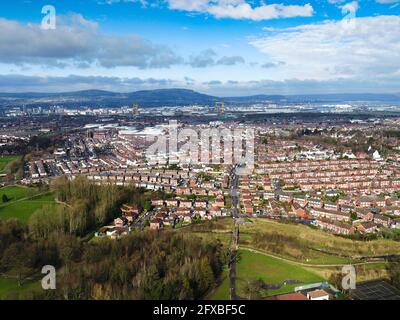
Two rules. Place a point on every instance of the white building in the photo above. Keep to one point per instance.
(377, 156)
(318, 295)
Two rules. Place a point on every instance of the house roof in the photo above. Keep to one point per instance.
(317, 294)
(336, 223)
(381, 217)
(368, 224)
(291, 296)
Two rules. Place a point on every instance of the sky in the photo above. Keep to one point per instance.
(218, 47)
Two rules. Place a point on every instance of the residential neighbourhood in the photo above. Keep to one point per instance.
(192, 152)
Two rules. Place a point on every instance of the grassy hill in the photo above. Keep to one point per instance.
(308, 245)
(23, 202)
(5, 160)
(9, 287)
(275, 252)
(254, 266)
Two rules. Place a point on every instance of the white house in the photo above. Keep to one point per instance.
(318, 295)
(377, 156)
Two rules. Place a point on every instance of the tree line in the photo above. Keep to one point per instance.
(86, 206)
(142, 265)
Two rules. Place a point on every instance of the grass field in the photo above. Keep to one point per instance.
(5, 160)
(217, 229)
(253, 266)
(222, 292)
(304, 244)
(364, 272)
(10, 286)
(23, 202)
(294, 253)
(15, 193)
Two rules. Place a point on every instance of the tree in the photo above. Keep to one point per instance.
(393, 269)
(70, 250)
(5, 198)
(147, 206)
(253, 289)
(16, 168)
(49, 220)
(186, 292)
(336, 280)
(18, 258)
(81, 219)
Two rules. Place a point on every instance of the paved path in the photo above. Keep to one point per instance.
(234, 182)
(232, 262)
(310, 264)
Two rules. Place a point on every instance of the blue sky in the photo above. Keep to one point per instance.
(221, 47)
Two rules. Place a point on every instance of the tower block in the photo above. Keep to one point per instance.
(136, 109)
(220, 107)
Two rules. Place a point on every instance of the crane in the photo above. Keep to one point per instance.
(220, 107)
(136, 109)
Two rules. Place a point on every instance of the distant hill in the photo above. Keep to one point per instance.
(340, 97)
(146, 98)
(170, 97)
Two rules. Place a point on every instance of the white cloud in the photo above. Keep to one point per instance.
(378, 1)
(230, 61)
(270, 65)
(329, 50)
(387, 1)
(350, 7)
(207, 58)
(144, 3)
(241, 9)
(77, 41)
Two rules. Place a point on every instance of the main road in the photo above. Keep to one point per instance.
(234, 183)
(234, 179)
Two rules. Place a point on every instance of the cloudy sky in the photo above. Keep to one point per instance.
(220, 47)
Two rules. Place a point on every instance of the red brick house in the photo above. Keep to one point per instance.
(367, 227)
(156, 224)
(335, 227)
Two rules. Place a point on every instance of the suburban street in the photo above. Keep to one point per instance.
(234, 193)
(235, 234)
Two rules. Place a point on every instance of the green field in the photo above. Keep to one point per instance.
(222, 292)
(15, 193)
(307, 245)
(5, 160)
(275, 252)
(23, 202)
(213, 230)
(9, 287)
(253, 266)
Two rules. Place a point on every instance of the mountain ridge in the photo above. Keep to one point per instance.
(173, 97)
